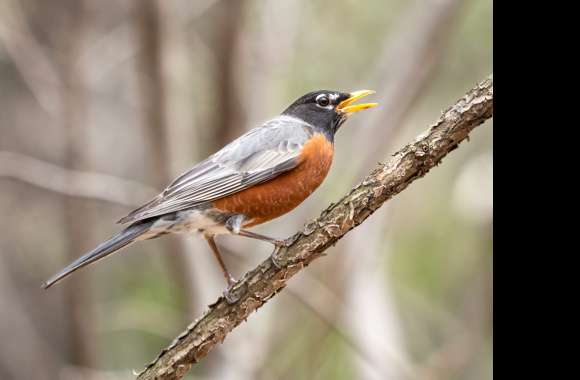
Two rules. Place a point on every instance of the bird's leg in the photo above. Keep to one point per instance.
(277, 245)
(253, 235)
(229, 278)
(234, 224)
(230, 296)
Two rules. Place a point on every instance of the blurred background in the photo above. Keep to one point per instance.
(102, 103)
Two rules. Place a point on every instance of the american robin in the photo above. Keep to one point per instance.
(260, 176)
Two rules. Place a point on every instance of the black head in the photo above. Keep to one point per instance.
(327, 110)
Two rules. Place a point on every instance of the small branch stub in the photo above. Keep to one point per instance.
(262, 283)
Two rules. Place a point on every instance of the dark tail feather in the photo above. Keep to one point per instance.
(123, 238)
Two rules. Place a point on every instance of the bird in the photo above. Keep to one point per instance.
(263, 174)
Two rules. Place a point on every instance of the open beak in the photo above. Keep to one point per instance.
(347, 107)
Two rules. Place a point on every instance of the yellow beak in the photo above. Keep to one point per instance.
(347, 107)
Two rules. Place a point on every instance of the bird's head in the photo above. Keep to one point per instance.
(327, 109)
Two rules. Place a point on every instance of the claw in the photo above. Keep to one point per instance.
(274, 256)
(231, 294)
(279, 243)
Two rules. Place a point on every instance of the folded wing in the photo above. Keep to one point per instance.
(257, 156)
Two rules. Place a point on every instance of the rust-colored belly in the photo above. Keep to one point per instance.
(276, 197)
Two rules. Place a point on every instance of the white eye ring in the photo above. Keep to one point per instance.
(322, 100)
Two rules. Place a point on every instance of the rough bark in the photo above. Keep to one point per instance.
(388, 179)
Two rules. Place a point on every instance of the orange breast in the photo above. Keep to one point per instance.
(280, 195)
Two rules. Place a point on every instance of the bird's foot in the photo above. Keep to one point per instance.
(274, 256)
(233, 292)
(278, 243)
(278, 261)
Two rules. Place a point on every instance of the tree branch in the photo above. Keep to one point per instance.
(74, 183)
(388, 179)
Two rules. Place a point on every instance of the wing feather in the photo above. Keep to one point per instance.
(257, 156)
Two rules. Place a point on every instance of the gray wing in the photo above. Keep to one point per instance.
(259, 155)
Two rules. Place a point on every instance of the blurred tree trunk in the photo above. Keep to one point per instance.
(78, 217)
(153, 99)
(23, 341)
(229, 118)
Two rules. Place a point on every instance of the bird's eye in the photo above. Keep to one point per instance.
(322, 100)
